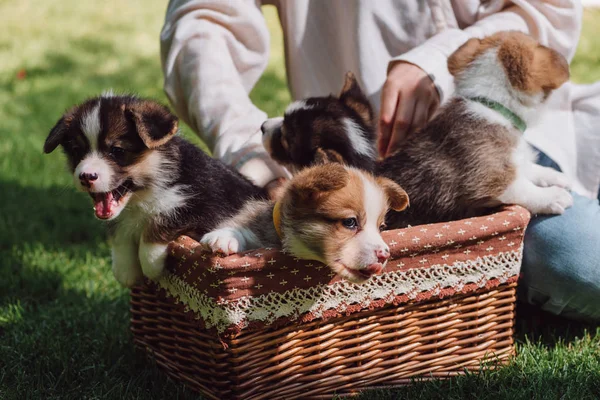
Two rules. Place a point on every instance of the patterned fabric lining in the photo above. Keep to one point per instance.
(264, 287)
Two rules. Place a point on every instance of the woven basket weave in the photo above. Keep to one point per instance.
(253, 326)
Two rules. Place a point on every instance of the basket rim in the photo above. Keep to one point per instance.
(220, 308)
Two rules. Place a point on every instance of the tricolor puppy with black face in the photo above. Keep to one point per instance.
(329, 213)
(472, 156)
(149, 184)
(325, 129)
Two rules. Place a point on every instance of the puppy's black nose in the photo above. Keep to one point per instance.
(263, 128)
(87, 178)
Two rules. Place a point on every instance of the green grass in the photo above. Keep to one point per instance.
(64, 329)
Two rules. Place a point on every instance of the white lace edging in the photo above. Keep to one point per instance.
(316, 300)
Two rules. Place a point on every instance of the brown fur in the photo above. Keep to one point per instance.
(450, 169)
(324, 156)
(155, 124)
(304, 215)
(398, 199)
(459, 164)
(333, 208)
(530, 67)
(321, 180)
(352, 96)
(465, 54)
(315, 208)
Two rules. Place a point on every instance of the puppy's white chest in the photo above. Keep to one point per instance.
(130, 226)
(522, 156)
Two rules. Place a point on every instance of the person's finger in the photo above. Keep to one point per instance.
(419, 118)
(389, 102)
(433, 107)
(402, 122)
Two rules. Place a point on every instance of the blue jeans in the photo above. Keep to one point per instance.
(561, 259)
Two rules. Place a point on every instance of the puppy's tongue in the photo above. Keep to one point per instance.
(374, 268)
(367, 272)
(103, 205)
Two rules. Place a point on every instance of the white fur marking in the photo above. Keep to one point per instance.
(540, 190)
(125, 261)
(93, 163)
(296, 106)
(229, 240)
(485, 77)
(538, 200)
(159, 200)
(160, 197)
(361, 251)
(152, 258)
(90, 125)
(492, 116)
(270, 126)
(523, 155)
(359, 142)
(546, 177)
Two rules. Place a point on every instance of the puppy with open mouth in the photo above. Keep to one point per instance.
(149, 184)
(469, 159)
(329, 213)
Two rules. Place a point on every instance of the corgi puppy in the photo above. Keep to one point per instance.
(326, 129)
(330, 213)
(470, 158)
(148, 184)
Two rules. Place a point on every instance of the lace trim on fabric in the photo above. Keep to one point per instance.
(317, 300)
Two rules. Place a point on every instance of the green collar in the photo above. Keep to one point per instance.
(511, 116)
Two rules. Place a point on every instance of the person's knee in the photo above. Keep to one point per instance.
(561, 261)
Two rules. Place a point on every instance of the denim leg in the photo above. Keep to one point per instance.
(561, 260)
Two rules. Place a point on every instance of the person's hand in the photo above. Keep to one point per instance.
(408, 99)
(275, 188)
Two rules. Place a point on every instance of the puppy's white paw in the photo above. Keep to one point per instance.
(225, 241)
(554, 178)
(127, 276)
(125, 263)
(559, 200)
(152, 258)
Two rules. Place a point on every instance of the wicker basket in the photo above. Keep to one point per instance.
(263, 325)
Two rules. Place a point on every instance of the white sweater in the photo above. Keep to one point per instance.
(214, 51)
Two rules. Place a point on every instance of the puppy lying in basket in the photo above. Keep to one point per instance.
(469, 159)
(329, 213)
(150, 185)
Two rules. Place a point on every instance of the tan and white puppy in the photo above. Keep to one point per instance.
(329, 213)
(512, 69)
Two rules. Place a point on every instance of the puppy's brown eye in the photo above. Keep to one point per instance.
(285, 144)
(350, 223)
(117, 152)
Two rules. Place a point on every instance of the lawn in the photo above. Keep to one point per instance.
(63, 319)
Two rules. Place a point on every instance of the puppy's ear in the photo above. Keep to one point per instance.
(517, 59)
(463, 56)
(353, 97)
(326, 156)
(320, 179)
(155, 124)
(57, 133)
(531, 67)
(397, 197)
(550, 68)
